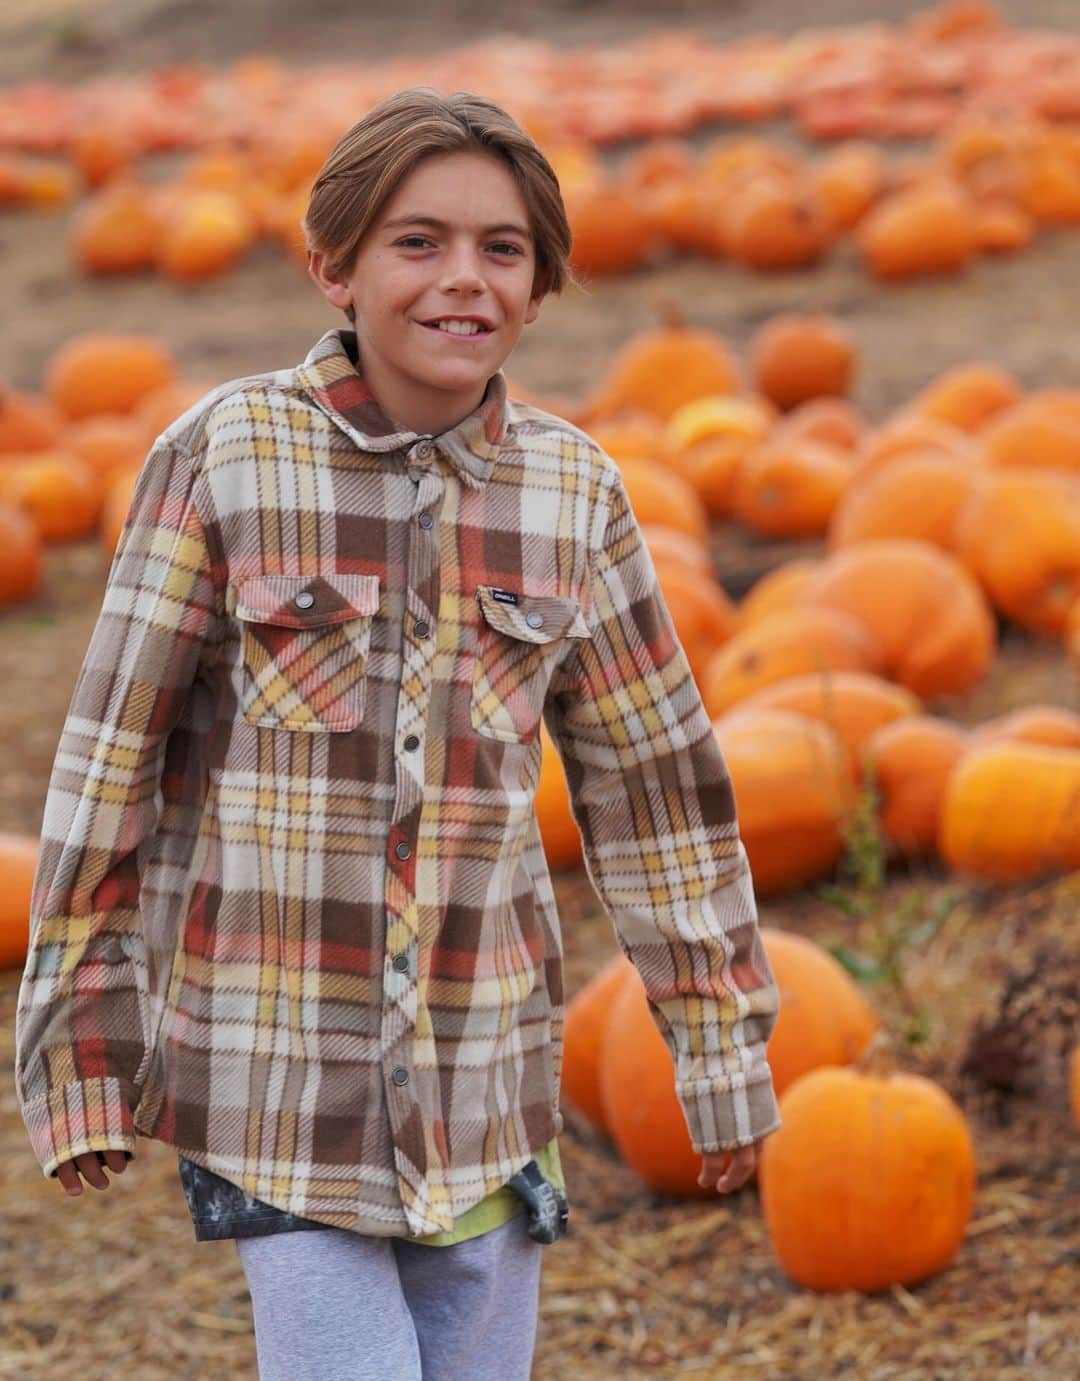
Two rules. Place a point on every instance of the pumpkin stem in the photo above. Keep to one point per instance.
(878, 1056)
(669, 313)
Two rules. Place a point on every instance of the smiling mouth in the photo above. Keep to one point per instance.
(458, 335)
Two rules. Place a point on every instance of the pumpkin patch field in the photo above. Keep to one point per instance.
(826, 327)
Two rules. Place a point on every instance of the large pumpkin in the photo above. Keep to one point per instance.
(789, 643)
(1019, 531)
(794, 785)
(1011, 811)
(852, 703)
(822, 1019)
(924, 609)
(912, 759)
(19, 856)
(587, 1015)
(870, 1181)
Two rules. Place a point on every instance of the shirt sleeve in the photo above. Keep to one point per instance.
(652, 799)
(81, 1026)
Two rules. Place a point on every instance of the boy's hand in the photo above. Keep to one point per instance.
(743, 1161)
(91, 1165)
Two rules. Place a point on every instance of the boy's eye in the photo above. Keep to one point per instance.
(411, 241)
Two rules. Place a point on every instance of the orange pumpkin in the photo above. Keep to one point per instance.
(587, 1015)
(661, 369)
(824, 1017)
(835, 420)
(907, 432)
(1042, 430)
(632, 435)
(120, 488)
(926, 228)
(19, 859)
(917, 494)
(27, 423)
(107, 440)
(794, 785)
(852, 703)
(776, 592)
(921, 606)
(1010, 811)
(207, 233)
(61, 493)
(849, 179)
(1053, 725)
(558, 830)
(116, 230)
(869, 1182)
(968, 395)
(795, 358)
(610, 231)
(97, 372)
(1002, 227)
(790, 488)
(704, 419)
(658, 496)
(912, 759)
(669, 545)
(775, 222)
(784, 644)
(703, 615)
(1019, 532)
(21, 561)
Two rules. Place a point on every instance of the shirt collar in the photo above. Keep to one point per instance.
(332, 379)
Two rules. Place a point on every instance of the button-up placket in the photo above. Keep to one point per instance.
(464, 455)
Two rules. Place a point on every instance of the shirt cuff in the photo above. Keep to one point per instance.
(722, 1116)
(85, 1115)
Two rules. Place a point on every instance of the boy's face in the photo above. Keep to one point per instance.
(453, 242)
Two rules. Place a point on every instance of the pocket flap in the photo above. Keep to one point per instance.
(334, 598)
(534, 618)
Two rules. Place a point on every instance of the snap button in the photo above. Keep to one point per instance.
(401, 1076)
(424, 450)
(534, 620)
(421, 629)
(425, 520)
(401, 963)
(402, 850)
(411, 742)
(304, 600)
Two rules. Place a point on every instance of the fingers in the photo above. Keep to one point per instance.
(90, 1165)
(735, 1174)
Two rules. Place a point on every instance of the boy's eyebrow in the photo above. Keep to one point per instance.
(436, 224)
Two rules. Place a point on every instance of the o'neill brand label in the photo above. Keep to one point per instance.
(504, 596)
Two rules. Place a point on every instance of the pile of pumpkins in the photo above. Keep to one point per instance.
(870, 1180)
(1000, 101)
(960, 509)
(70, 455)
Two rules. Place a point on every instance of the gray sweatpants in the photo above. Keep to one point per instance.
(338, 1306)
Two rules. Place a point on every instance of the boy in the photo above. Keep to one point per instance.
(292, 914)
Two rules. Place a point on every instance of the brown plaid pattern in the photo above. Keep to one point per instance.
(292, 914)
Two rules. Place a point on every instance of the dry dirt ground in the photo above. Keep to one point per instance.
(112, 1286)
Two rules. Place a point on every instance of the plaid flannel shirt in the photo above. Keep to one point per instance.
(292, 914)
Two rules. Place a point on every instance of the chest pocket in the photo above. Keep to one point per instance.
(305, 644)
(517, 648)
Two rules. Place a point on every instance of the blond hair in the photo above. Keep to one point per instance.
(370, 161)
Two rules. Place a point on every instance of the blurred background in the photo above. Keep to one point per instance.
(827, 329)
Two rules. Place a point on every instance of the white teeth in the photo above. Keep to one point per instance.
(460, 328)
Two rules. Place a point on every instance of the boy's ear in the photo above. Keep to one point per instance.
(335, 290)
(533, 309)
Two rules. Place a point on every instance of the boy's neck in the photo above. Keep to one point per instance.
(406, 411)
